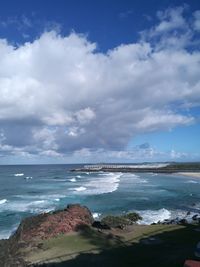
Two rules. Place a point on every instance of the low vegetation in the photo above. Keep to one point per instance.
(151, 245)
(121, 221)
(133, 217)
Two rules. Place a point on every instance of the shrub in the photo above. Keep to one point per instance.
(121, 221)
(115, 221)
(133, 217)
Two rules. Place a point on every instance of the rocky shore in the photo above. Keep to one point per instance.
(33, 230)
(73, 229)
(47, 225)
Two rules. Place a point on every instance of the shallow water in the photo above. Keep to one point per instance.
(27, 190)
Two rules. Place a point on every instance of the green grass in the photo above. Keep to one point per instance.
(91, 248)
(70, 245)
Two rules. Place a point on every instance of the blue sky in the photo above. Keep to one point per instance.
(109, 23)
(90, 81)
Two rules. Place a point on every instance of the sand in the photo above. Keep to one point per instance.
(190, 174)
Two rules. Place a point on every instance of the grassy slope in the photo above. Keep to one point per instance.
(177, 243)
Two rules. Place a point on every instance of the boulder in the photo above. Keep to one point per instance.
(183, 222)
(100, 225)
(195, 217)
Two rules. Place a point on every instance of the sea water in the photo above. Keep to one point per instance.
(32, 189)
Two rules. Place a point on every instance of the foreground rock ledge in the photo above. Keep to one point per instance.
(33, 230)
(44, 239)
(47, 225)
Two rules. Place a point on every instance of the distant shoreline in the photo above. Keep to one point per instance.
(195, 173)
(190, 174)
(184, 168)
(169, 171)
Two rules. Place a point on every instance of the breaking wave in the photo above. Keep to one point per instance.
(28, 177)
(154, 216)
(3, 201)
(96, 215)
(73, 180)
(19, 174)
(5, 234)
(29, 205)
(81, 188)
(103, 183)
(191, 182)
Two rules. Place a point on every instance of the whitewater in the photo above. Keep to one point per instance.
(28, 190)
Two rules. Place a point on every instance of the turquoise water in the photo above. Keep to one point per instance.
(27, 190)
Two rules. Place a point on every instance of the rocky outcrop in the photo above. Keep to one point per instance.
(33, 230)
(47, 225)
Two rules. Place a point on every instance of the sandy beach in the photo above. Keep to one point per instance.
(190, 174)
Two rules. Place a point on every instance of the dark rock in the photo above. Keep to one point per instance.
(110, 236)
(183, 221)
(174, 221)
(121, 227)
(195, 217)
(99, 225)
(133, 217)
(166, 221)
(116, 221)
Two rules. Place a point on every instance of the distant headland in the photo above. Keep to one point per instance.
(186, 167)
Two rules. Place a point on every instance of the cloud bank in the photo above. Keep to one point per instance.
(60, 95)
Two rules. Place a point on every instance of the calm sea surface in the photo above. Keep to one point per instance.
(31, 189)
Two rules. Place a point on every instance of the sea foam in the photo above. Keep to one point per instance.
(28, 177)
(32, 206)
(5, 234)
(73, 180)
(191, 182)
(154, 216)
(19, 174)
(101, 184)
(3, 201)
(96, 215)
(81, 188)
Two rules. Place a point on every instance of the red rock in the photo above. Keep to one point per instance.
(47, 225)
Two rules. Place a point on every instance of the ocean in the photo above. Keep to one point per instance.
(26, 190)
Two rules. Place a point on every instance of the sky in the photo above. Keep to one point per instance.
(99, 81)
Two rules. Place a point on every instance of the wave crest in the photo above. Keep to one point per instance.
(103, 183)
(154, 216)
(3, 201)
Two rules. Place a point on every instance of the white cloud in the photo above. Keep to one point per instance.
(84, 116)
(141, 153)
(174, 29)
(178, 155)
(49, 153)
(170, 19)
(163, 120)
(64, 96)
